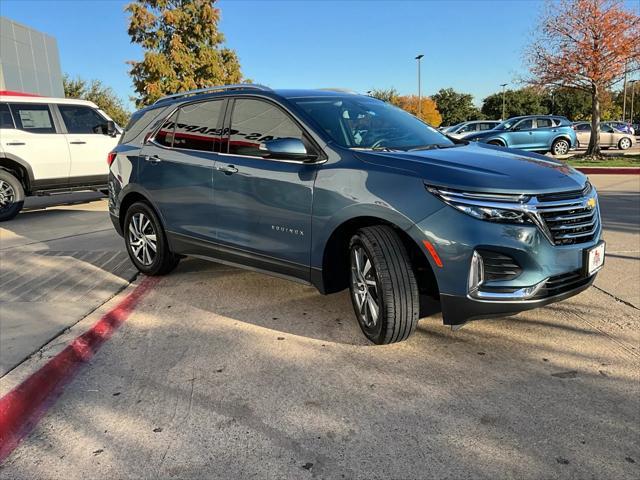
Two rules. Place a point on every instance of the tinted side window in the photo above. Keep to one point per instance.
(606, 128)
(256, 121)
(139, 122)
(525, 125)
(6, 120)
(197, 127)
(33, 118)
(584, 127)
(468, 128)
(79, 119)
(544, 122)
(487, 126)
(164, 136)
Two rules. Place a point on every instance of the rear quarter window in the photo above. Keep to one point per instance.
(6, 120)
(140, 122)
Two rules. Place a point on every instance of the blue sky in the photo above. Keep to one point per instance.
(472, 46)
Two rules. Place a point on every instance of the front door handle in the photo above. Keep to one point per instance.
(78, 142)
(152, 158)
(228, 169)
(16, 143)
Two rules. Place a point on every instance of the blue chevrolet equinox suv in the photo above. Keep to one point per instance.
(339, 190)
(536, 133)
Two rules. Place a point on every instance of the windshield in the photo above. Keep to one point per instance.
(367, 123)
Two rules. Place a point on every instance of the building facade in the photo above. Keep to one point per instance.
(29, 60)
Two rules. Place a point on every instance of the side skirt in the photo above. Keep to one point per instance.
(195, 247)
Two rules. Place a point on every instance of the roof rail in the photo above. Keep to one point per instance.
(219, 88)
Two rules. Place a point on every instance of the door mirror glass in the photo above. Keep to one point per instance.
(286, 148)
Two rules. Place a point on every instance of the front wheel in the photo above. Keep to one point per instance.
(383, 286)
(560, 147)
(624, 143)
(11, 196)
(146, 242)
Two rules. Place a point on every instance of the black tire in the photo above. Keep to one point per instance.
(560, 146)
(396, 289)
(11, 196)
(138, 235)
(624, 143)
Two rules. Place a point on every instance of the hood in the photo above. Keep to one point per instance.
(483, 168)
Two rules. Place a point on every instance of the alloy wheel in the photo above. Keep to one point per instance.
(561, 148)
(364, 287)
(142, 239)
(625, 143)
(7, 195)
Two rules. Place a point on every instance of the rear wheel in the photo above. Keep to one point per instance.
(560, 147)
(624, 143)
(146, 241)
(11, 196)
(384, 290)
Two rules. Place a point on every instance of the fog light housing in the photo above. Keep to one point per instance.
(476, 272)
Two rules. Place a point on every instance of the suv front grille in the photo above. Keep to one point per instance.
(570, 218)
(559, 284)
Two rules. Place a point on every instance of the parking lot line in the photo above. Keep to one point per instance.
(25, 405)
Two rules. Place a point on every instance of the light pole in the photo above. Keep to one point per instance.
(633, 93)
(624, 95)
(503, 85)
(419, 58)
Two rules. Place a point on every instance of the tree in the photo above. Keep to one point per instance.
(183, 48)
(389, 95)
(428, 111)
(525, 101)
(96, 92)
(455, 107)
(585, 44)
(568, 102)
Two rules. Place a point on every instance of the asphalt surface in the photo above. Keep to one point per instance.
(222, 373)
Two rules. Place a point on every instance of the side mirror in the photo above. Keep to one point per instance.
(287, 149)
(111, 128)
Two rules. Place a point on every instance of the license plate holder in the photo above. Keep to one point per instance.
(593, 259)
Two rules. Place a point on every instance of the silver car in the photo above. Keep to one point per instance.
(609, 136)
(466, 128)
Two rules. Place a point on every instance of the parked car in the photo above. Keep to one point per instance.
(51, 145)
(339, 190)
(537, 133)
(609, 137)
(466, 128)
(622, 127)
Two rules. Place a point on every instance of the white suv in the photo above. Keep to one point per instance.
(51, 145)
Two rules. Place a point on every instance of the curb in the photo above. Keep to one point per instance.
(28, 402)
(609, 170)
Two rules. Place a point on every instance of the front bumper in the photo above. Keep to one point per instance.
(556, 270)
(457, 310)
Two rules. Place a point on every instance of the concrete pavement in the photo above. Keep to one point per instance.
(222, 373)
(59, 260)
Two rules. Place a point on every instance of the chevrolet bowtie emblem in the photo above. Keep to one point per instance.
(591, 203)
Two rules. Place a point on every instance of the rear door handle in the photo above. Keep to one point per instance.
(78, 142)
(228, 169)
(152, 158)
(16, 143)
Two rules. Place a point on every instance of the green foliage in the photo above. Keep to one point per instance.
(183, 48)
(96, 92)
(569, 102)
(389, 95)
(455, 107)
(525, 101)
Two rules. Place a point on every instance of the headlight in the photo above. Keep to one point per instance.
(504, 208)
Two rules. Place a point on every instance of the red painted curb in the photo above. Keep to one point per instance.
(610, 170)
(25, 405)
